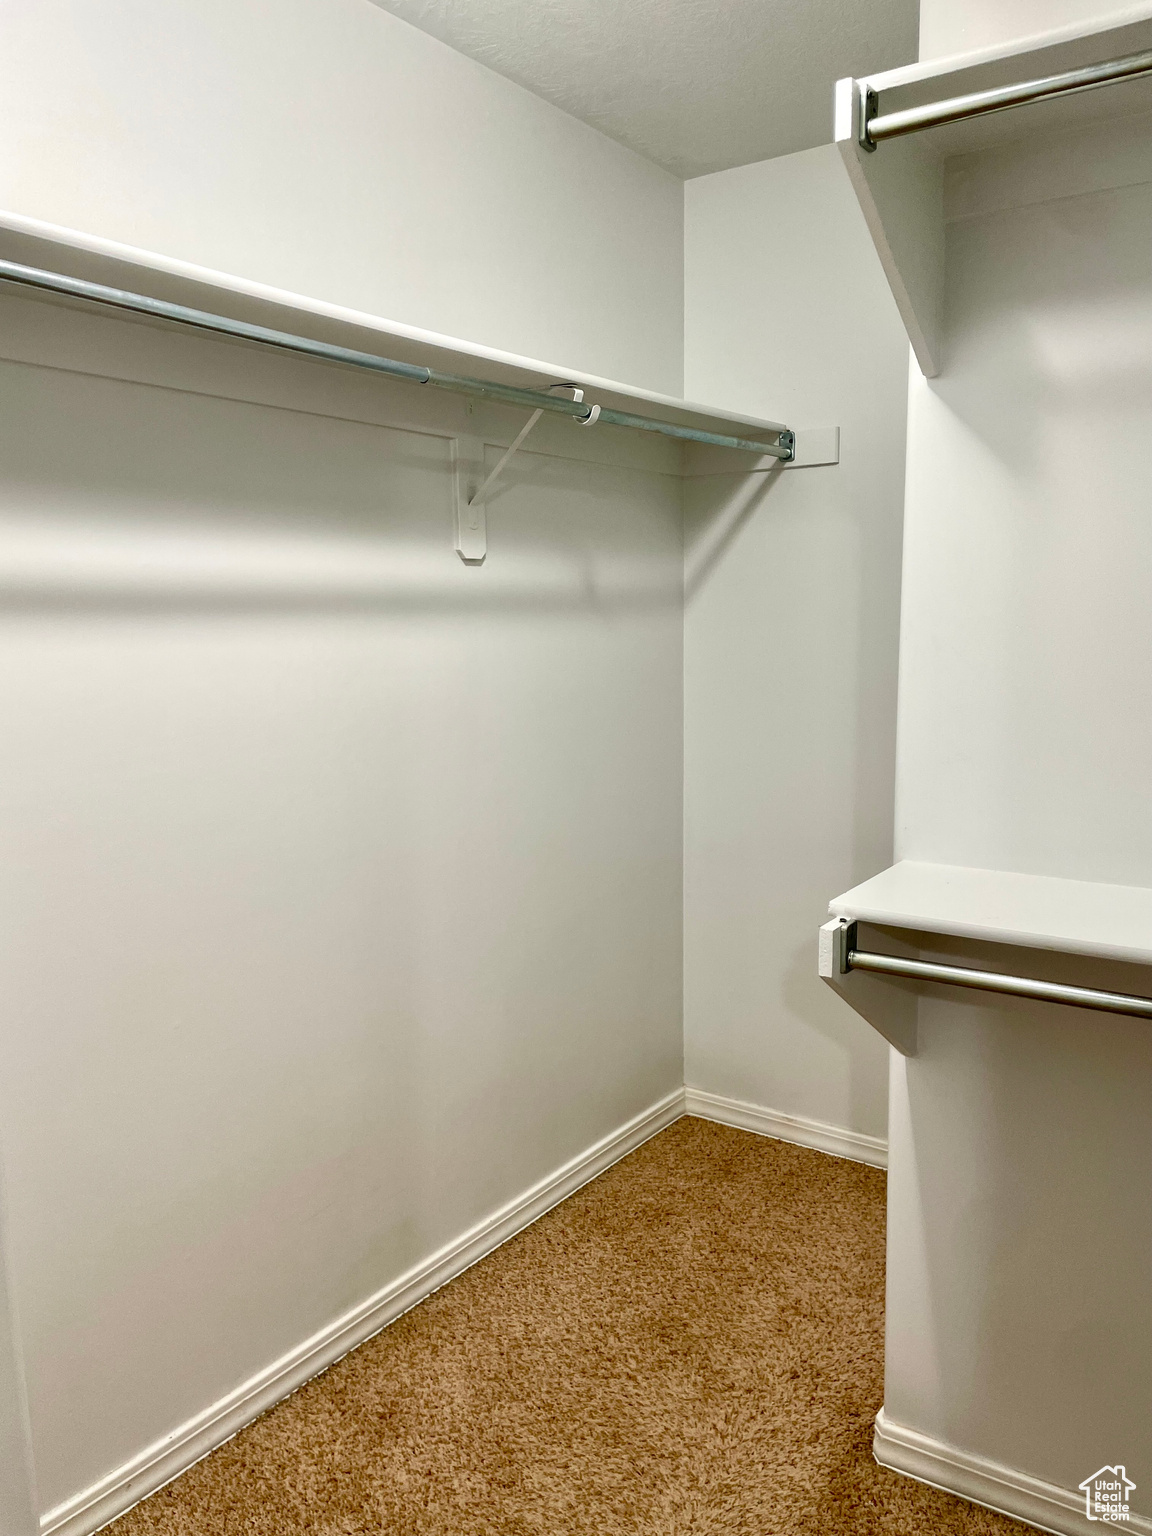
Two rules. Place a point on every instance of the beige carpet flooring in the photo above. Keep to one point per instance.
(693, 1343)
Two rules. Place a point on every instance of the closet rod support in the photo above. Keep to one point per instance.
(876, 126)
(478, 496)
(411, 373)
(514, 447)
(846, 957)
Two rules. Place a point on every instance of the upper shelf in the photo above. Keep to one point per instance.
(900, 183)
(34, 243)
(1039, 911)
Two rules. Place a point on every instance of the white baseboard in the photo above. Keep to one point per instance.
(794, 1128)
(159, 1463)
(1004, 1489)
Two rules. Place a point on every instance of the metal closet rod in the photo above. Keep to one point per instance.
(878, 126)
(412, 373)
(995, 981)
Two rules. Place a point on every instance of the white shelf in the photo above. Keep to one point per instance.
(38, 244)
(900, 185)
(1075, 916)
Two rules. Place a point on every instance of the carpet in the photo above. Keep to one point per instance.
(691, 1345)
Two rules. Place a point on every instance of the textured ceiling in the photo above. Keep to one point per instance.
(696, 85)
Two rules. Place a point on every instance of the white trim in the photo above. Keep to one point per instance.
(160, 1462)
(171, 1456)
(1004, 1489)
(795, 1128)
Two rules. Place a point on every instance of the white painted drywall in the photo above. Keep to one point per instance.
(326, 147)
(1020, 1238)
(962, 26)
(347, 881)
(1029, 746)
(792, 605)
(342, 883)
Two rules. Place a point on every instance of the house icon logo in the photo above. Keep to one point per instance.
(1106, 1494)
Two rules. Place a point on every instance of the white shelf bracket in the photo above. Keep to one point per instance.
(470, 498)
(471, 524)
(481, 495)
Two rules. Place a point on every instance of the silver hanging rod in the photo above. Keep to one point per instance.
(849, 958)
(412, 373)
(877, 126)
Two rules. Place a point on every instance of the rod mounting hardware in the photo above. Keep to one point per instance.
(412, 373)
(842, 956)
(876, 126)
(891, 1011)
(869, 107)
(845, 943)
(837, 940)
(471, 489)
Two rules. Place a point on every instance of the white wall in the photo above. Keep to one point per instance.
(791, 624)
(1020, 1239)
(342, 882)
(343, 894)
(326, 147)
(961, 26)
(345, 883)
(1027, 535)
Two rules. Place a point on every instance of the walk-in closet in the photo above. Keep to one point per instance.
(576, 768)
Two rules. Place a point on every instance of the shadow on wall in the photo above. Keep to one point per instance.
(863, 1054)
(1029, 479)
(790, 639)
(346, 879)
(122, 496)
(709, 533)
(1049, 327)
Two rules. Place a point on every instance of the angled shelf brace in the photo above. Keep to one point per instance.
(514, 446)
(468, 459)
